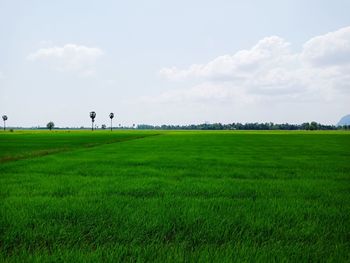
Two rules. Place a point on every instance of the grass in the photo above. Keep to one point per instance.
(28, 144)
(176, 197)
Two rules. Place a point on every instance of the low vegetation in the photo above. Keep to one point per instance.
(190, 196)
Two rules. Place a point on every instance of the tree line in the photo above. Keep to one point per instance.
(246, 126)
(215, 126)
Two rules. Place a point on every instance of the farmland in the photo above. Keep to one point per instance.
(174, 196)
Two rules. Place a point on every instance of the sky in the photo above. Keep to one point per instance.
(174, 62)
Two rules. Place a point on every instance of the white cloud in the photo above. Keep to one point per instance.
(331, 49)
(267, 82)
(267, 51)
(320, 71)
(70, 57)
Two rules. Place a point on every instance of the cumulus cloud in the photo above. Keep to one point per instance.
(270, 68)
(270, 50)
(70, 57)
(331, 49)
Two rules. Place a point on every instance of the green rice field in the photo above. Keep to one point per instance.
(175, 196)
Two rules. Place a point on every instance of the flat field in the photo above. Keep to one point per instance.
(186, 196)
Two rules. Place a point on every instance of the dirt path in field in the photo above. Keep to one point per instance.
(40, 153)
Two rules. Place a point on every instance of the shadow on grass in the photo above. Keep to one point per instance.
(45, 152)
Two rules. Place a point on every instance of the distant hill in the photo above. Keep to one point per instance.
(344, 121)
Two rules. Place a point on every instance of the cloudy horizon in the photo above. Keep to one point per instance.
(180, 63)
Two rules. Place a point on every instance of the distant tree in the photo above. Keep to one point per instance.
(313, 126)
(92, 116)
(305, 126)
(50, 125)
(103, 126)
(4, 117)
(111, 116)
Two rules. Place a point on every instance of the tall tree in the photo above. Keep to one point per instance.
(4, 117)
(92, 116)
(111, 115)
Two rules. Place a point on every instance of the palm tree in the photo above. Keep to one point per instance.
(4, 117)
(111, 115)
(92, 116)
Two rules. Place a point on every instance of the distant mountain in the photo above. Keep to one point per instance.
(344, 121)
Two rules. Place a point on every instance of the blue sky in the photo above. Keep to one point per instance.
(176, 62)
